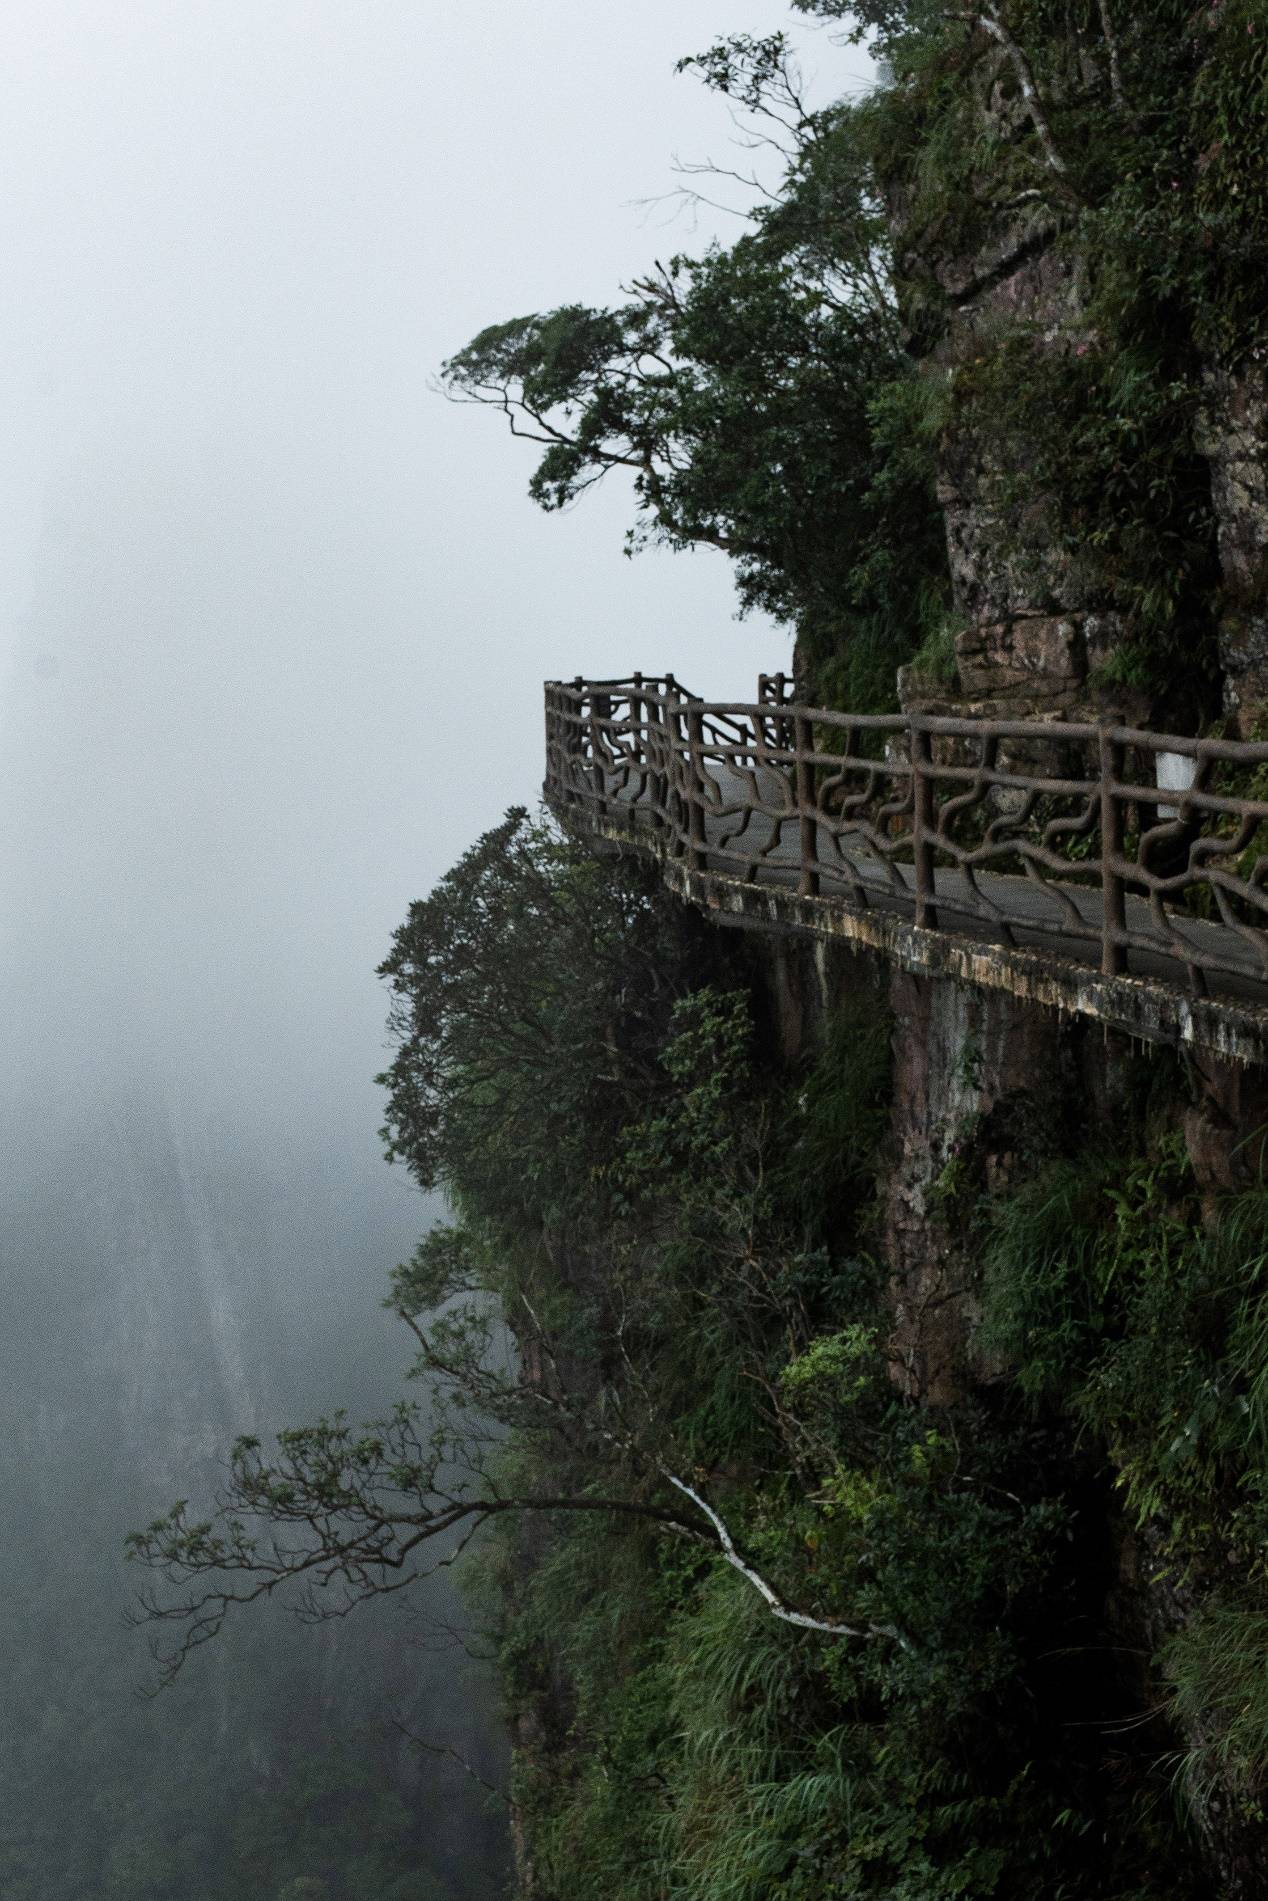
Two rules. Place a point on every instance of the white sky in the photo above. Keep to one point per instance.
(274, 619)
(277, 615)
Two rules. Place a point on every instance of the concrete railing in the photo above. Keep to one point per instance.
(1132, 850)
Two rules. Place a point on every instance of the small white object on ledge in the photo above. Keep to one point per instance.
(1175, 772)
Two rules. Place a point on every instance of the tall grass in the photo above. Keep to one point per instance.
(1043, 1289)
(1218, 1667)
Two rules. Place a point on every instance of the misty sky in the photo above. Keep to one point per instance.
(274, 618)
(273, 615)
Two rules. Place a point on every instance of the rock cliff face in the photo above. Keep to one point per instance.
(1035, 628)
(980, 1081)
(1001, 294)
(1233, 435)
(984, 1088)
(1034, 624)
(967, 1096)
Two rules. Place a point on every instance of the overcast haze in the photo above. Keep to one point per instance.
(276, 613)
(274, 619)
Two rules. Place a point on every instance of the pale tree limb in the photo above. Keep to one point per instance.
(349, 1514)
(830, 1626)
(991, 23)
(1116, 72)
(726, 1546)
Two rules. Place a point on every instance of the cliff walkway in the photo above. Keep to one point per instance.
(1101, 869)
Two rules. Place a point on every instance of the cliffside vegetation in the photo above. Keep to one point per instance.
(769, 1624)
(760, 397)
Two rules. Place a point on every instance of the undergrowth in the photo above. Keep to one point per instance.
(676, 1740)
(1126, 1305)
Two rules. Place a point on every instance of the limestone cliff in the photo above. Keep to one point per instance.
(1042, 304)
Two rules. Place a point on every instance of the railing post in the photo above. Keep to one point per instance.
(783, 693)
(657, 754)
(553, 743)
(575, 737)
(923, 825)
(673, 738)
(562, 730)
(1113, 895)
(600, 710)
(804, 780)
(636, 721)
(547, 782)
(695, 745)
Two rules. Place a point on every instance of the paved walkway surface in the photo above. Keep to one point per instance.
(990, 907)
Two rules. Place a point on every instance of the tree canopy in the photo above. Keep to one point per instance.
(759, 396)
(560, 1070)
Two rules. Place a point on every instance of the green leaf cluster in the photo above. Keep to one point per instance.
(1122, 1302)
(752, 395)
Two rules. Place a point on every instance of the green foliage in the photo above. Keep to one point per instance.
(688, 1743)
(707, 1399)
(1108, 1295)
(737, 1326)
(691, 1132)
(934, 661)
(529, 991)
(1115, 1301)
(760, 397)
(764, 398)
(1218, 1665)
(1045, 1285)
(832, 1120)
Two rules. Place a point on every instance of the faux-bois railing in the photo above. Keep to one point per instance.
(1144, 852)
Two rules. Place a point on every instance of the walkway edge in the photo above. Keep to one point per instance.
(1136, 1006)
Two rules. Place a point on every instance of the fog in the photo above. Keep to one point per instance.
(274, 618)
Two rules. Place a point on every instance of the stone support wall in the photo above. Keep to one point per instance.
(985, 1085)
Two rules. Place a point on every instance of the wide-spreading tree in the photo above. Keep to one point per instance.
(759, 396)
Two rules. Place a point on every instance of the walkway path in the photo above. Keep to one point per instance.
(989, 848)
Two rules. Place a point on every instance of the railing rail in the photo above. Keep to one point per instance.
(1146, 852)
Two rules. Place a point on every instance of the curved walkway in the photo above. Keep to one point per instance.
(942, 852)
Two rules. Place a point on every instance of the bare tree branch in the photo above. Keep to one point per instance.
(1116, 72)
(830, 1626)
(447, 1751)
(990, 23)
